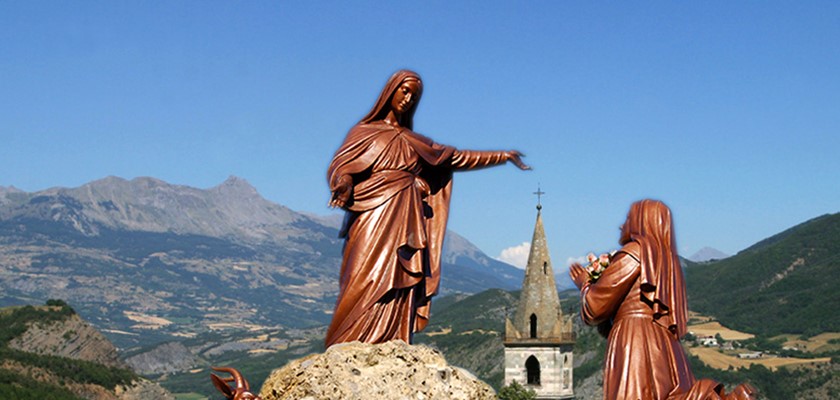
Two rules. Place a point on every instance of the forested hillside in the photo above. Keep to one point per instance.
(787, 283)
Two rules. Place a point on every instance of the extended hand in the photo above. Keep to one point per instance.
(516, 158)
(578, 274)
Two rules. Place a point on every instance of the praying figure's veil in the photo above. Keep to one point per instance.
(649, 223)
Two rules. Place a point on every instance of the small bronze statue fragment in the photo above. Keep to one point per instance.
(241, 390)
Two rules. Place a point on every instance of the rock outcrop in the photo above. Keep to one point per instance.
(57, 331)
(72, 337)
(166, 358)
(393, 370)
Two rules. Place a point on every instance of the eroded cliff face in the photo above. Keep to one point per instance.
(54, 352)
(72, 338)
(163, 359)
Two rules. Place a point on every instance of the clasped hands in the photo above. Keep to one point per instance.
(578, 274)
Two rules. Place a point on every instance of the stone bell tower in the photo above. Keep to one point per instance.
(539, 340)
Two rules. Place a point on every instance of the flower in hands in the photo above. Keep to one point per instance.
(597, 265)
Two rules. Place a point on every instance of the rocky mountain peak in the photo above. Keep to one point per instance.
(109, 180)
(233, 208)
(706, 254)
(149, 181)
(9, 189)
(113, 182)
(5, 191)
(236, 186)
(114, 187)
(457, 246)
(234, 181)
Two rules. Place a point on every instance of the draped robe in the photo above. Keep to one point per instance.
(393, 229)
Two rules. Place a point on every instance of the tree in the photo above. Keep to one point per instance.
(56, 303)
(515, 391)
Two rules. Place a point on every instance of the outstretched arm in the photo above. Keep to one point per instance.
(472, 159)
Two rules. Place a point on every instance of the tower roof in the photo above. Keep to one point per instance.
(538, 315)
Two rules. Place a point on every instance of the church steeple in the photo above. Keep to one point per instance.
(539, 339)
(539, 305)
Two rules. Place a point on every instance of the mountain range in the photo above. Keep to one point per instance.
(147, 261)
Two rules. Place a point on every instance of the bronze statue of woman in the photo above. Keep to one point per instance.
(395, 186)
(640, 301)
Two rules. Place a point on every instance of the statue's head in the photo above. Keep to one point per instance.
(401, 94)
(648, 218)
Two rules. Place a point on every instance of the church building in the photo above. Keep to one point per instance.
(539, 340)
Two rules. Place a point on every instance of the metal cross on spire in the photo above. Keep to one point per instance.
(539, 194)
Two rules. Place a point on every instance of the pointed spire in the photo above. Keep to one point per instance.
(539, 339)
(539, 304)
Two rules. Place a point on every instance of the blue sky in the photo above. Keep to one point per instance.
(730, 113)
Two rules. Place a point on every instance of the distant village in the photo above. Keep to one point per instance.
(723, 348)
(717, 341)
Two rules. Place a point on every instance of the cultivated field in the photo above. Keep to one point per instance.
(816, 344)
(713, 328)
(146, 321)
(713, 358)
(444, 331)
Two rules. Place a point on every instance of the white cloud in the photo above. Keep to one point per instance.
(516, 255)
(580, 260)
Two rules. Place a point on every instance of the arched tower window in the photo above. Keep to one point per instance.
(533, 368)
(545, 267)
(533, 326)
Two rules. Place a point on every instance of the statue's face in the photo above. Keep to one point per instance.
(405, 97)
